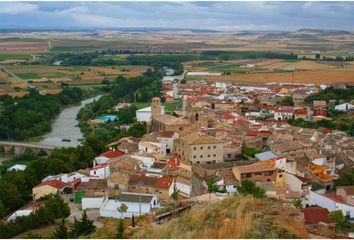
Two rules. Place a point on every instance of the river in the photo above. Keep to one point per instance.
(63, 127)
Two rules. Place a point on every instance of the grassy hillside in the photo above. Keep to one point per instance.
(234, 217)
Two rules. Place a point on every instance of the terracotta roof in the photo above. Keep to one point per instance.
(118, 178)
(173, 163)
(255, 168)
(53, 183)
(348, 189)
(314, 215)
(335, 198)
(158, 165)
(93, 184)
(112, 154)
(164, 183)
(257, 133)
(199, 138)
(142, 180)
(103, 165)
(166, 134)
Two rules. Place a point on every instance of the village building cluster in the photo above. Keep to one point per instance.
(205, 139)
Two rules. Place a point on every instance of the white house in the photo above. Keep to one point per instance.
(345, 107)
(101, 171)
(104, 157)
(137, 203)
(152, 147)
(17, 167)
(298, 184)
(184, 186)
(67, 177)
(283, 114)
(166, 138)
(221, 85)
(331, 202)
(146, 159)
(144, 114)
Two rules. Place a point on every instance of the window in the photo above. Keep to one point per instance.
(268, 173)
(208, 147)
(194, 156)
(201, 156)
(94, 172)
(280, 175)
(201, 148)
(268, 180)
(214, 155)
(257, 173)
(208, 155)
(198, 162)
(214, 147)
(195, 148)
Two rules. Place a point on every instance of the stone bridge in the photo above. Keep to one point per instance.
(20, 147)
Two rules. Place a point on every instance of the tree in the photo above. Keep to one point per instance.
(297, 203)
(288, 101)
(345, 179)
(342, 224)
(250, 152)
(120, 229)
(174, 196)
(249, 187)
(83, 227)
(133, 221)
(122, 209)
(61, 232)
(212, 187)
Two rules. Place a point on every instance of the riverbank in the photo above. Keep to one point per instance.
(64, 126)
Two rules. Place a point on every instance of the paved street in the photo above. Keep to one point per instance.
(76, 212)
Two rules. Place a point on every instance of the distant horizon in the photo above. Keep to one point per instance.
(147, 29)
(209, 16)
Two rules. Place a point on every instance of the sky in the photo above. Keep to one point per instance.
(222, 16)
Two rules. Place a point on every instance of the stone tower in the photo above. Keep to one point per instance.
(155, 107)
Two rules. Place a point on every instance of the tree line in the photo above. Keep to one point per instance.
(31, 115)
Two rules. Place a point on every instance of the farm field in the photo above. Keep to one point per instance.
(316, 77)
(24, 47)
(275, 70)
(74, 74)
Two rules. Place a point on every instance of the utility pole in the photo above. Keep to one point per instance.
(139, 203)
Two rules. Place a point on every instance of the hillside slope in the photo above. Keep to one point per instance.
(234, 217)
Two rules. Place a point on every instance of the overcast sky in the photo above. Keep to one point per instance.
(196, 15)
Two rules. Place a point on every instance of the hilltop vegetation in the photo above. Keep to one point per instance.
(234, 217)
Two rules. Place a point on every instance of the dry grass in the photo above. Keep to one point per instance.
(234, 217)
(230, 218)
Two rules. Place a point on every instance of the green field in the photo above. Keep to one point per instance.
(40, 75)
(14, 57)
(73, 48)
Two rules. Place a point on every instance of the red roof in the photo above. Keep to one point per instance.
(335, 198)
(166, 134)
(53, 183)
(112, 154)
(301, 111)
(314, 215)
(100, 166)
(228, 116)
(173, 163)
(164, 183)
(257, 133)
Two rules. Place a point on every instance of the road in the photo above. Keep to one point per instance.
(197, 186)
